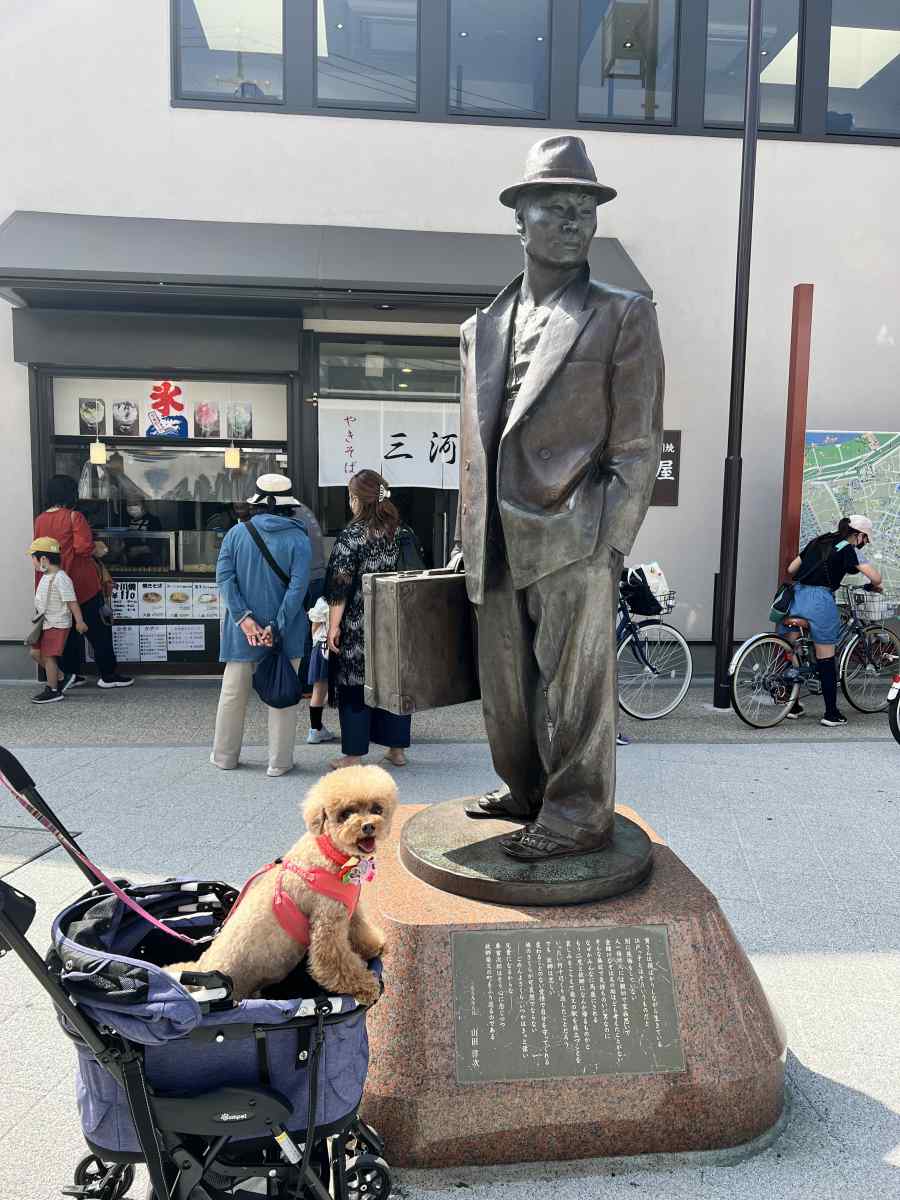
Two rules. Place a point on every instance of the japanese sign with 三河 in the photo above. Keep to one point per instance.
(417, 445)
(411, 444)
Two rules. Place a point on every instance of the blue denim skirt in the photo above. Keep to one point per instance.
(817, 605)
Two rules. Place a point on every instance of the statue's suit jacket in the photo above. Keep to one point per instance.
(577, 459)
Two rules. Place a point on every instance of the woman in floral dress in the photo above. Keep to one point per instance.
(368, 544)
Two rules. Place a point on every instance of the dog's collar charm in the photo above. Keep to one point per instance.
(358, 870)
(353, 869)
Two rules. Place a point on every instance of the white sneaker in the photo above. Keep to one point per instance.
(277, 772)
(316, 736)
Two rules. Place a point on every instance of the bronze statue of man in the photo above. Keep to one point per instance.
(561, 424)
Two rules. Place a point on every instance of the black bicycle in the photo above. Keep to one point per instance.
(768, 672)
(654, 661)
(894, 706)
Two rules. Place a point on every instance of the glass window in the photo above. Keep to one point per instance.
(230, 49)
(627, 60)
(499, 57)
(864, 68)
(376, 369)
(726, 62)
(367, 53)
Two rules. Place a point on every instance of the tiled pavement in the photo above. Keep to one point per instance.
(800, 843)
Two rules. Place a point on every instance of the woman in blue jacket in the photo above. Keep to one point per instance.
(259, 607)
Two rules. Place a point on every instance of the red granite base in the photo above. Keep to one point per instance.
(731, 1090)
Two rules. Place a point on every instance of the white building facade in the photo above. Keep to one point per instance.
(366, 116)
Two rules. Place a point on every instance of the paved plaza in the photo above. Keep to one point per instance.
(797, 835)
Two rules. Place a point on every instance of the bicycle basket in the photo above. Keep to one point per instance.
(667, 600)
(873, 606)
(636, 593)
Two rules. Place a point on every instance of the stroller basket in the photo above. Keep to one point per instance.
(210, 1094)
(101, 950)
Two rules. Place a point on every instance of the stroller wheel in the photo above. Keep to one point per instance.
(105, 1182)
(368, 1178)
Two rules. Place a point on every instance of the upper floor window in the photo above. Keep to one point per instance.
(627, 60)
(367, 53)
(499, 57)
(726, 62)
(231, 49)
(864, 67)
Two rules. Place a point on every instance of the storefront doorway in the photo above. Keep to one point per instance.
(149, 459)
(391, 404)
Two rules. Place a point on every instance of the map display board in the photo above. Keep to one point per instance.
(848, 472)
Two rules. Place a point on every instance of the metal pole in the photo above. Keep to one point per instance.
(723, 616)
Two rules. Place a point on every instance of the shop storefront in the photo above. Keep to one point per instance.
(164, 402)
(163, 468)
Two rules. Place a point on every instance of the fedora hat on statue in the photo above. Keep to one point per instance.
(558, 162)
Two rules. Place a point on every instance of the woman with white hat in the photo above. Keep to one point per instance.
(822, 565)
(263, 574)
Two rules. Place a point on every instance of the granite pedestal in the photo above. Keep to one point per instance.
(687, 1056)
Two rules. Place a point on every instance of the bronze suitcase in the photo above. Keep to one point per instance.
(420, 641)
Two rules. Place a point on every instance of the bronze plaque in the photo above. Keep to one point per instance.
(561, 1003)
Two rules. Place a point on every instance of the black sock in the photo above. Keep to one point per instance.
(828, 675)
(315, 716)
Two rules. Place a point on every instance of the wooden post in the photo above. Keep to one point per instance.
(795, 429)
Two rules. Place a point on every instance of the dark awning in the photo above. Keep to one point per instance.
(57, 259)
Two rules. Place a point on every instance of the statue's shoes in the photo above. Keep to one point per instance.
(535, 843)
(500, 805)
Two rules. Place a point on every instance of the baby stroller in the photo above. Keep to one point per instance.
(211, 1095)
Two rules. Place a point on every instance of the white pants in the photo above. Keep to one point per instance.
(236, 685)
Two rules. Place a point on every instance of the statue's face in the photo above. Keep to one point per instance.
(556, 225)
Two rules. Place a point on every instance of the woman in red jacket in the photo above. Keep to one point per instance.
(76, 543)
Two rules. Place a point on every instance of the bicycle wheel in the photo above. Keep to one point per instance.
(867, 667)
(655, 668)
(760, 693)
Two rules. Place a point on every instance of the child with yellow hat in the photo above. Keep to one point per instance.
(55, 605)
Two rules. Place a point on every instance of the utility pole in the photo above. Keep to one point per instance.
(726, 580)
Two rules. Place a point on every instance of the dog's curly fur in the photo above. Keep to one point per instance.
(351, 805)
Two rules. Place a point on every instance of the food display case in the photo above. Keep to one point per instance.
(198, 550)
(138, 552)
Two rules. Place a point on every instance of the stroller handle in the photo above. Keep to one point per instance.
(20, 783)
(14, 771)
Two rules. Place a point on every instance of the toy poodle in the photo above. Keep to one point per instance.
(310, 895)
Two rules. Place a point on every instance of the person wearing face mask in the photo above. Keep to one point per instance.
(141, 520)
(140, 553)
(821, 566)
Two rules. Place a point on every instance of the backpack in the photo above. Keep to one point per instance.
(411, 557)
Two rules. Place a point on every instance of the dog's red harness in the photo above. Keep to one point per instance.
(294, 922)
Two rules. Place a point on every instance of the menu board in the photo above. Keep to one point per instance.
(179, 601)
(185, 637)
(126, 643)
(125, 601)
(205, 604)
(153, 643)
(151, 599)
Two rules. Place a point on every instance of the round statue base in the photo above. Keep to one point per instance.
(443, 847)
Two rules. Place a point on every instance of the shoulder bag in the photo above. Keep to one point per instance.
(783, 599)
(33, 636)
(410, 557)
